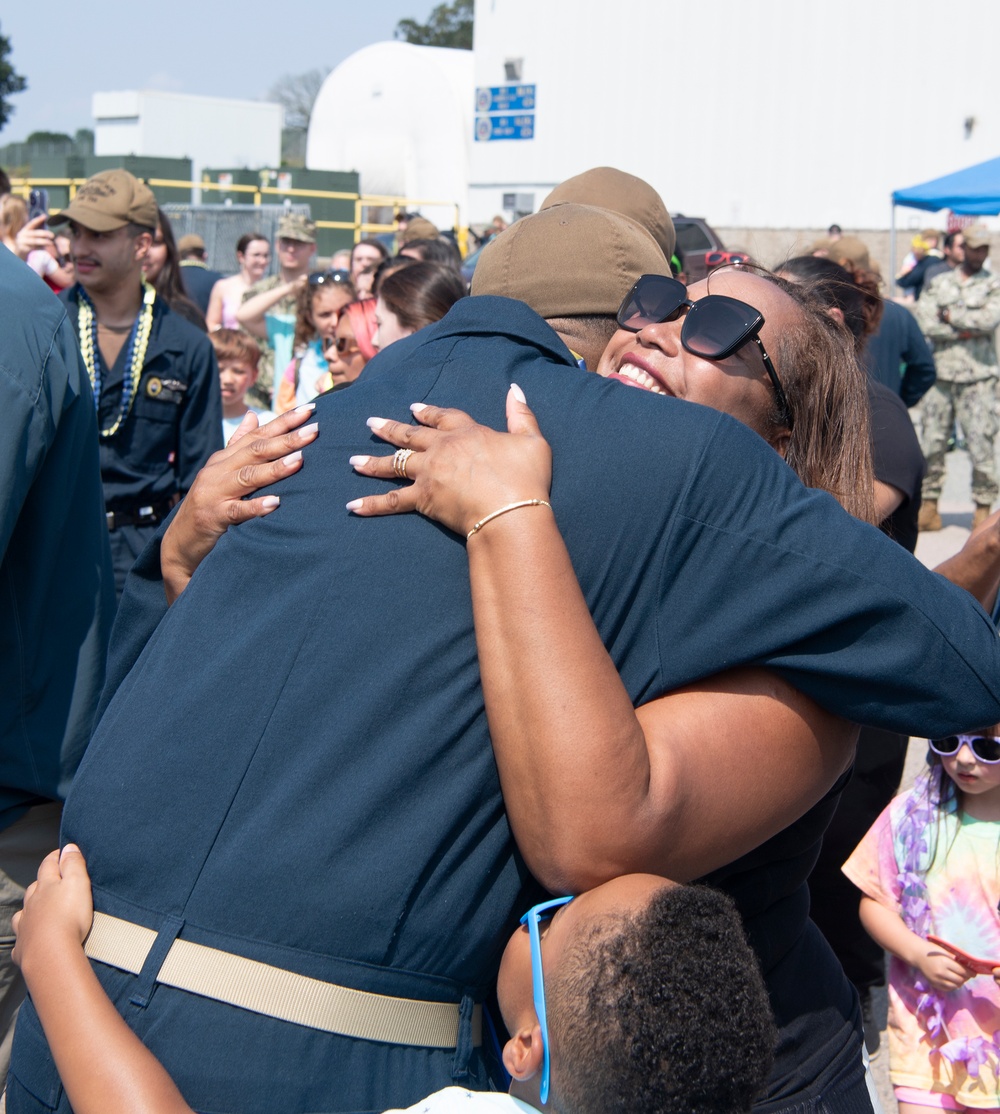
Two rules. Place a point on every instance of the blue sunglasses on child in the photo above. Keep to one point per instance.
(535, 914)
(984, 748)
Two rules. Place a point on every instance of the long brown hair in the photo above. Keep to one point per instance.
(853, 290)
(168, 282)
(422, 293)
(830, 444)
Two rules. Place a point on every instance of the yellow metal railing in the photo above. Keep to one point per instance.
(360, 227)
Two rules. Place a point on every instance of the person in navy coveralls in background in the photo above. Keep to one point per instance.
(56, 588)
(154, 375)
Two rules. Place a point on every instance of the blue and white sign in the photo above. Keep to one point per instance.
(505, 98)
(505, 112)
(489, 128)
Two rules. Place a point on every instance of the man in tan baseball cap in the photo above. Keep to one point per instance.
(197, 277)
(268, 308)
(154, 376)
(572, 264)
(610, 188)
(109, 201)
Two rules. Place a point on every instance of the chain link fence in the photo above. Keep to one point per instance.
(222, 226)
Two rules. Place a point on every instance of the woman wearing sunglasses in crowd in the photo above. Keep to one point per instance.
(351, 346)
(317, 310)
(761, 350)
(929, 872)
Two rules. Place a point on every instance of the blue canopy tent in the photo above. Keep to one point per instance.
(974, 191)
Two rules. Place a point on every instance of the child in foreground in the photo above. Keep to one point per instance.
(930, 866)
(239, 360)
(654, 1002)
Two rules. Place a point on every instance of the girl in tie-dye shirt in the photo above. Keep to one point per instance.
(930, 865)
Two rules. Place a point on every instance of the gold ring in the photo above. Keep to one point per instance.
(399, 459)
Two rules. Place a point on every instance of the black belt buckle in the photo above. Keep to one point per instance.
(143, 516)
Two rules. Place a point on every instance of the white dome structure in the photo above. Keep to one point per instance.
(402, 117)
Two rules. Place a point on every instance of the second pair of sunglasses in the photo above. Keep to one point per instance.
(986, 749)
(319, 278)
(714, 328)
(725, 258)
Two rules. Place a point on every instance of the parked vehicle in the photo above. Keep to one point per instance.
(696, 238)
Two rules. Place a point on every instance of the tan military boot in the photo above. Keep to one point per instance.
(983, 512)
(929, 519)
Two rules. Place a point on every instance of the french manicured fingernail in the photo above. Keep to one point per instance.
(416, 407)
(70, 848)
(292, 458)
(312, 427)
(375, 423)
(269, 502)
(305, 407)
(516, 391)
(355, 504)
(358, 461)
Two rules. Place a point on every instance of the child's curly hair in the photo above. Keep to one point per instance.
(664, 1010)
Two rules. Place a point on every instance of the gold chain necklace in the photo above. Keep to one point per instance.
(135, 354)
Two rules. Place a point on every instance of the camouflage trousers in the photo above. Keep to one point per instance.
(975, 407)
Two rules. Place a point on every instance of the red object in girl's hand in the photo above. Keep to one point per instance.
(980, 966)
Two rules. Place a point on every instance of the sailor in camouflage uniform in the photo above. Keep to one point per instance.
(275, 301)
(958, 313)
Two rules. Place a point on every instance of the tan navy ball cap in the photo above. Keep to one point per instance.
(418, 228)
(110, 200)
(191, 242)
(976, 236)
(608, 188)
(297, 226)
(851, 249)
(569, 261)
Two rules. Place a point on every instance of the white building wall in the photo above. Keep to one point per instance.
(211, 131)
(759, 113)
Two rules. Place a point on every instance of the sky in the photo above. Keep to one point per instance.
(68, 49)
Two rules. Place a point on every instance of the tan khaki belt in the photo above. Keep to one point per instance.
(275, 992)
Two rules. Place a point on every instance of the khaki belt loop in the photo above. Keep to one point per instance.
(276, 992)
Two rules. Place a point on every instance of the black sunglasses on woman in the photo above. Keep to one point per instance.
(714, 328)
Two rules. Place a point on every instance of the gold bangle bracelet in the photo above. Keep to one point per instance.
(503, 510)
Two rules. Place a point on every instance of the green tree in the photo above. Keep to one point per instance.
(448, 25)
(49, 137)
(297, 93)
(10, 82)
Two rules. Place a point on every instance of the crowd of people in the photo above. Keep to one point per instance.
(584, 645)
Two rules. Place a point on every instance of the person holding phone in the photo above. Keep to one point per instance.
(16, 219)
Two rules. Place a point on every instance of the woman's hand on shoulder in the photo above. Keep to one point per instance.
(460, 471)
(255, 457)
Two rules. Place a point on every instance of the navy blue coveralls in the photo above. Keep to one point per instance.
(319, 792)
(174, 426)
(56, 600)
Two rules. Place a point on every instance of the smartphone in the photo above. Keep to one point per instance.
(38, 203)
(974, 963)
